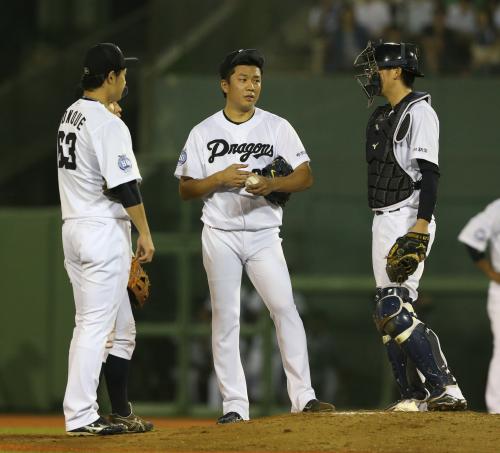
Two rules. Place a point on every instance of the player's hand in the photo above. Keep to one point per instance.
(494, 276)
(145, 248)
(233, 176)
(421, 226)
(264, 187)
(115, 108)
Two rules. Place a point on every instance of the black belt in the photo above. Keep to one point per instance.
(385, 212)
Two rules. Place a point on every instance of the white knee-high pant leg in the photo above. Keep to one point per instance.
(224, 255)
(493, 383)
(224, 270)
(268, 272)
(121, 341)
(386, 229)
(97, 259)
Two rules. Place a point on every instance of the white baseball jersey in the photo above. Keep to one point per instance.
(217, 143)
(421, 142)
(483, 232)
(94, 147)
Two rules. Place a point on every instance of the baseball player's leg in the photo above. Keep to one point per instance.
(224, 267)
(405, 373)
(267, 269)
(493, 383)
(96, 266)
(116, 371)
(385, 230)
(117, 359)
(415, 339)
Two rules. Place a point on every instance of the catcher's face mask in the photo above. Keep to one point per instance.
(369, 79)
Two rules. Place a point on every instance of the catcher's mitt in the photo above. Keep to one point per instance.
(138, 284)
(278, 167)
(405, 255)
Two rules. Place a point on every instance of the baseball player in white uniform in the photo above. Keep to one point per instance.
(402, 144)
(94, 149)
(241, 227)
(481, 236)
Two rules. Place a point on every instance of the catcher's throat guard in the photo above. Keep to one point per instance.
(369, 78)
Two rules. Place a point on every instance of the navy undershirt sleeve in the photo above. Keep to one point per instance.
(475, 254)
(428, 189)
(128, 193)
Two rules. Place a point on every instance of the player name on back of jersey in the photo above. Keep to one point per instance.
(220, 147)
(73, 117)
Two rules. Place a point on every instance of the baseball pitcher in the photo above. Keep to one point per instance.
(243, 162)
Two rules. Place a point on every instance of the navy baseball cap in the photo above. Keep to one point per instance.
(250, 57)
(104, 58)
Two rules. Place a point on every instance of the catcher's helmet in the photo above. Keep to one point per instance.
(384, 55)
(397, 55)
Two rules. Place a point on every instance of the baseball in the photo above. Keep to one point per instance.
(251, 180)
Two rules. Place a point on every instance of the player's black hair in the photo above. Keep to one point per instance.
(250, 57)
(408, 78)
(91, 82)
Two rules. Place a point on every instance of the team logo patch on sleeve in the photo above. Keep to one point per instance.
(480, 235)
(182, 158)
(124, 163)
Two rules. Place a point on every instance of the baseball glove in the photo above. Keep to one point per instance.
(138, 284)
(405, 255)
(278, 167)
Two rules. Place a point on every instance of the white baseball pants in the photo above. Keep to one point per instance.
(493, 383)
(225, 255)
(386, 228)
(97, 255)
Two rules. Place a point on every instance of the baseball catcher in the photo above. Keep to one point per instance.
(402, 156)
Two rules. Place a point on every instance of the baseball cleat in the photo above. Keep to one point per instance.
(446, 402)
(230, 417)
(133, 423)
(98, 428)
(318, 406)
(408, 405)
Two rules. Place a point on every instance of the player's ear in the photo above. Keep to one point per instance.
(110, 78)
(224, 86)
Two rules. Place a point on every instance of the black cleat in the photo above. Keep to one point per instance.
(446, 402)
(98, 428)
(318, 406)
(230, 417)
(132, 422)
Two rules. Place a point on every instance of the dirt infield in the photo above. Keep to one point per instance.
(341, 432)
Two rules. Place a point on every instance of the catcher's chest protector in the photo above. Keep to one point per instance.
(388, 183)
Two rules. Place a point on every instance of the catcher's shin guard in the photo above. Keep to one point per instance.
(394, 316)
(422, 346)
(405, 373)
